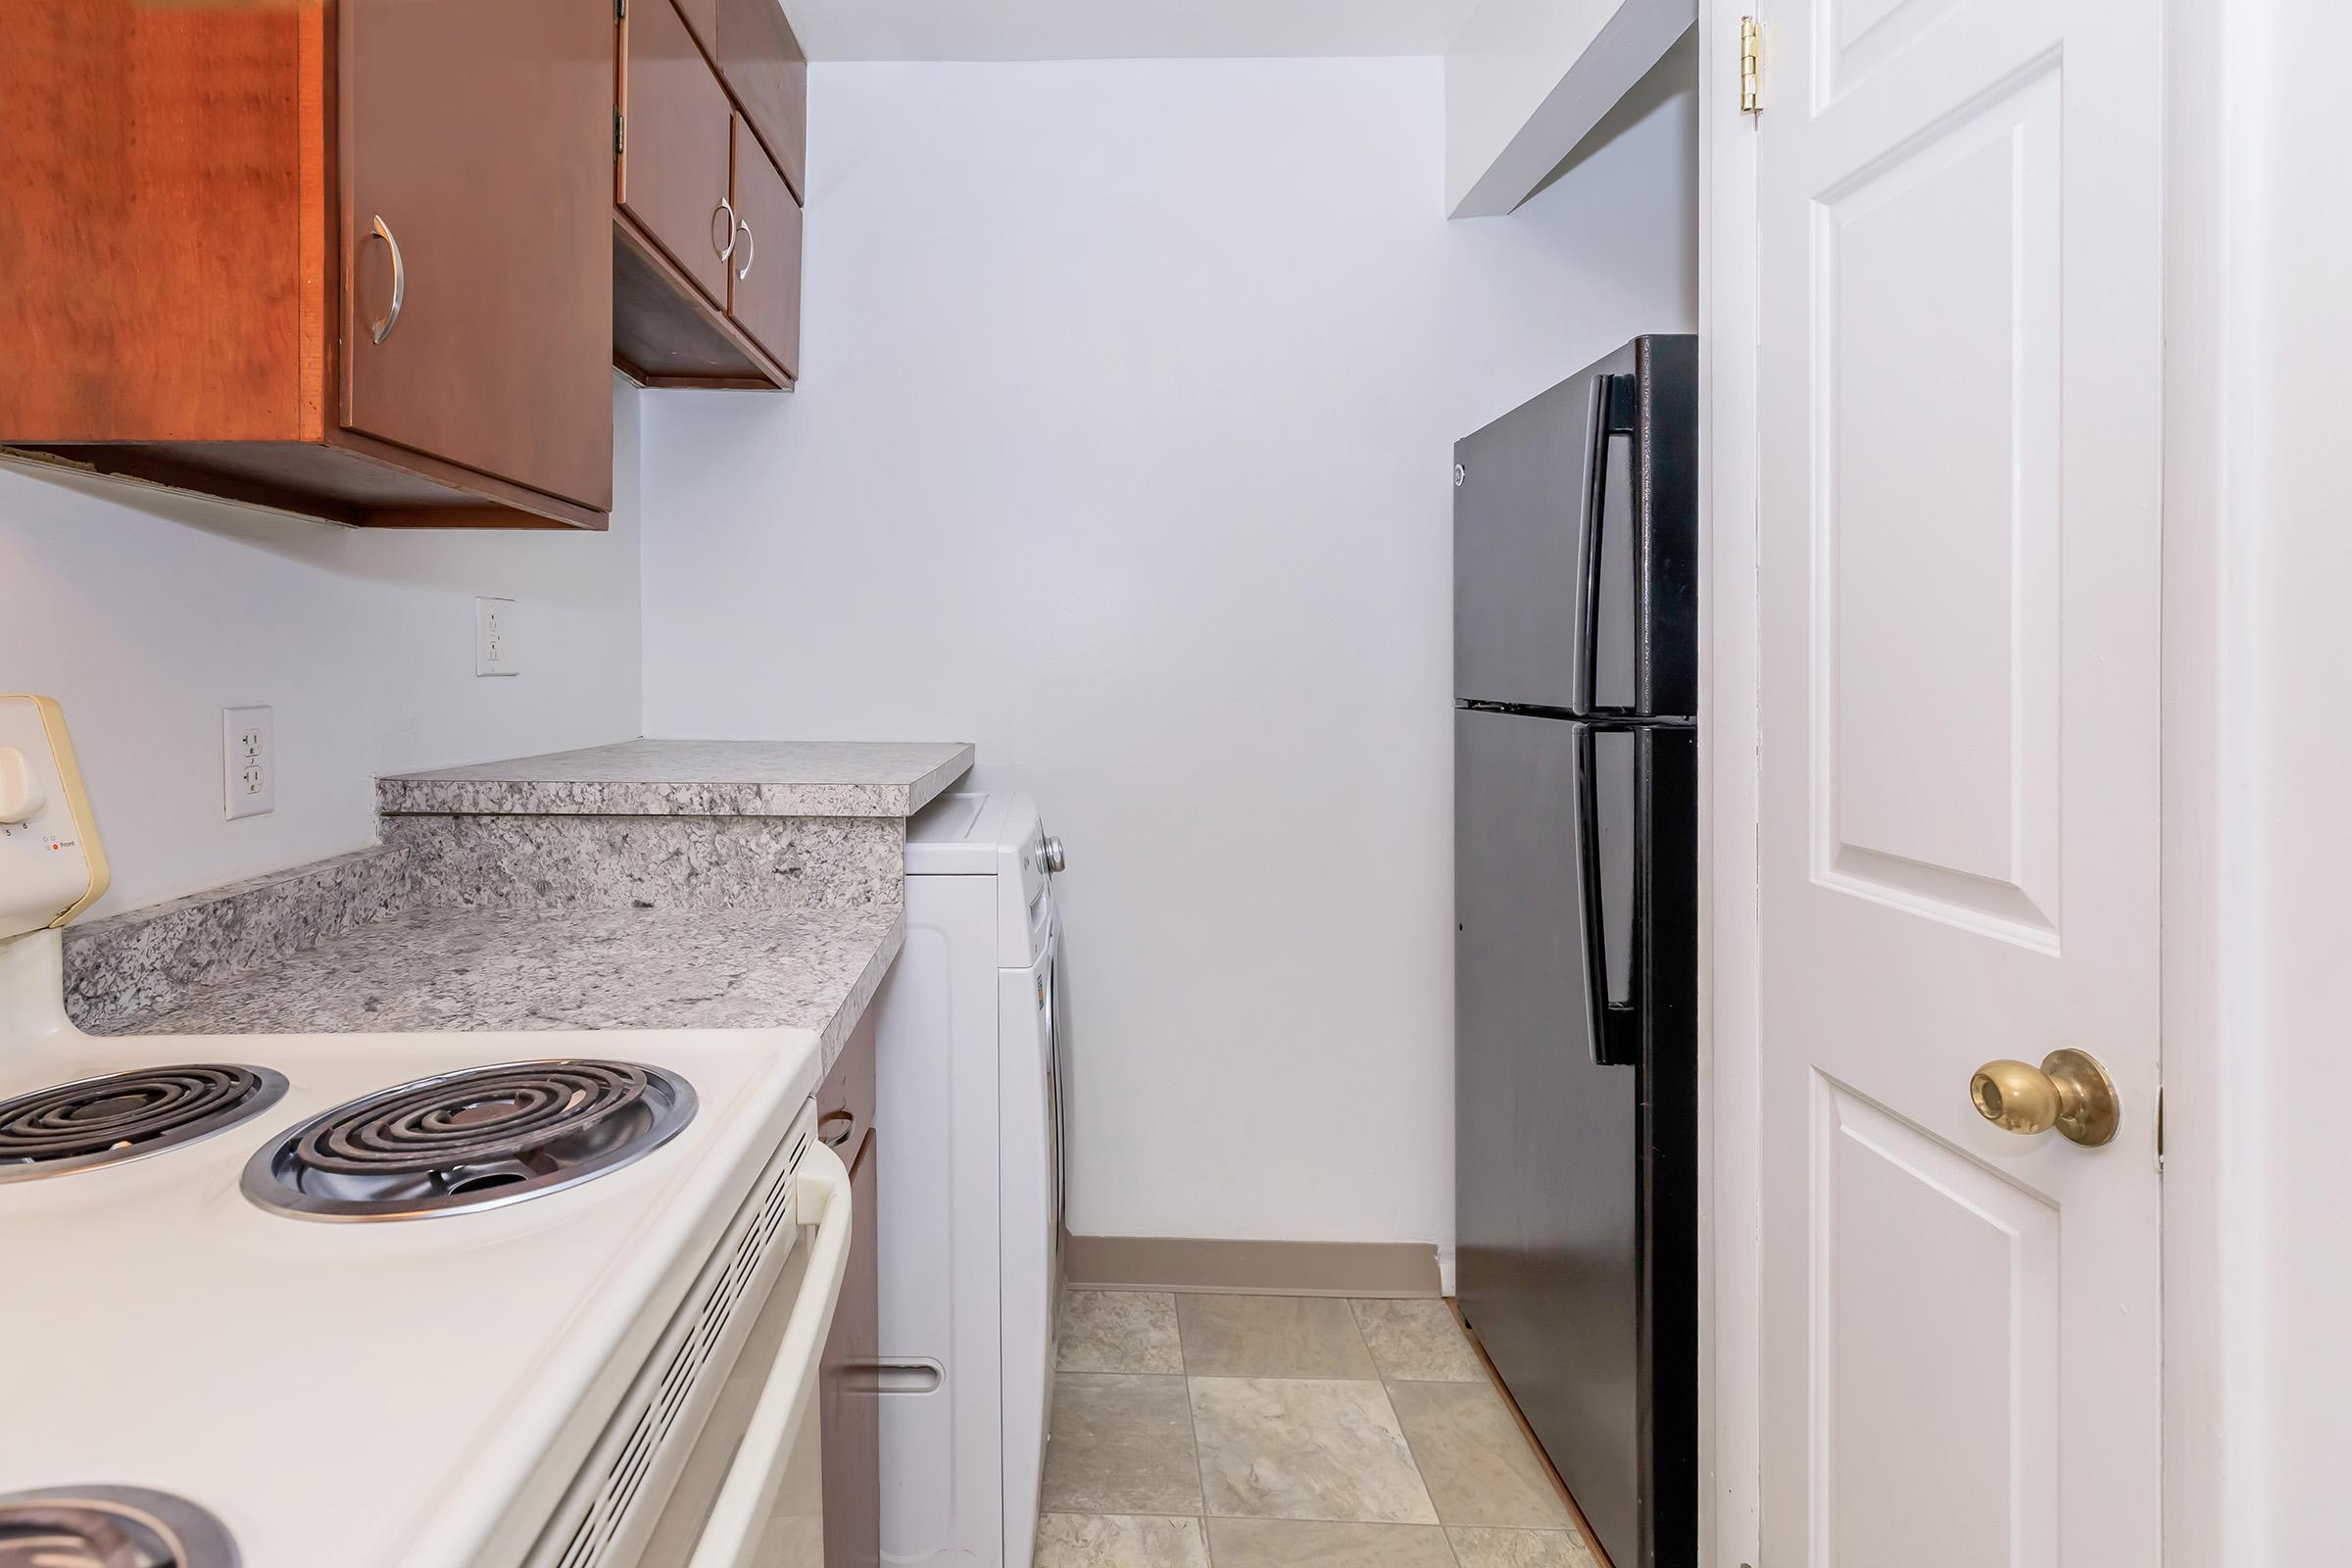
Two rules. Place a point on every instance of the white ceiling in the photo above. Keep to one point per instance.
(1121, 29)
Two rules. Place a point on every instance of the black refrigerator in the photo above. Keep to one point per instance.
(1576, 867)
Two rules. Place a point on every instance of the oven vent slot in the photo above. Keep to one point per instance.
(657, 1406)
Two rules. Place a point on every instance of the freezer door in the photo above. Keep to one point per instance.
(1575, 542)
(1547, 1179)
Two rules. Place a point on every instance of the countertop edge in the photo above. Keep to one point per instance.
(425, 795)
(932, 785)
(835, 1035)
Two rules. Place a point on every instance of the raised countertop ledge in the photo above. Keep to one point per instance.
(691, 778)
(470, 969)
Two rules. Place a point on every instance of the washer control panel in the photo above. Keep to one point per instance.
(51, 864)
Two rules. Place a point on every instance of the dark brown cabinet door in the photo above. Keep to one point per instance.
(673, 162)
(766, 266)
(764, 66)
(702, 19)
(477, 290)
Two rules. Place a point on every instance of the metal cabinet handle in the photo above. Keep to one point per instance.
(751, 248)
(835, 1127)
(382, 329)
(727, 210)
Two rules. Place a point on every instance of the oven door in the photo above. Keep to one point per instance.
(750, 1493)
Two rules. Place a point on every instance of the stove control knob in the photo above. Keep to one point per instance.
(1050, 855)
(21, 795)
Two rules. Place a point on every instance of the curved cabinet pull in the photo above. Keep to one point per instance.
(727, 210)
(380, 330)
(751, 248)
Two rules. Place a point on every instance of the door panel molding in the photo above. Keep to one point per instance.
(1979, 1256)
(1960, 822)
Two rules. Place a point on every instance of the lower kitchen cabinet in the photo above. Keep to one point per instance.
(850, 1405)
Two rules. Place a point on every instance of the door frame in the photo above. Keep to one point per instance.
(2204, 845)
(1730, 1038)
(2209, 853)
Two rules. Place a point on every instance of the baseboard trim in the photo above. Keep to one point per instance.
(1210, 1266)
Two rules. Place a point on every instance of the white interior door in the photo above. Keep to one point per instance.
(1959, 366)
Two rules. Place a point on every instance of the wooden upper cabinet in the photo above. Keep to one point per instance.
(706, 220)
(478, 292)
(372, 260)
(766, 269)
(146, 290)
(702, 20)
(190, 272)
(672, 179)
(751, 46)
(763, 67)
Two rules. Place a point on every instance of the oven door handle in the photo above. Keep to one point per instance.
(745, 1500)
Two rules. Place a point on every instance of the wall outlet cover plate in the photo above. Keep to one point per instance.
(496, 651)
(248, 762)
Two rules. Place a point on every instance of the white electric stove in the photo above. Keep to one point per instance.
(568, 1313)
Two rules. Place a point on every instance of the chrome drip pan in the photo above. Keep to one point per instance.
(93, 1122)
(110, 1527)
(471, 1140)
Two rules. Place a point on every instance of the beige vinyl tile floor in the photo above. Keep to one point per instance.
(1286, 1432)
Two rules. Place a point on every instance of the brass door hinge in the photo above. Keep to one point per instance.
(1752, 54)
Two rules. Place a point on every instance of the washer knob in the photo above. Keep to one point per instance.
(1050, 852)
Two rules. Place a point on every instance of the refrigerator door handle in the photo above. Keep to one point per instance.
(1614, 1028)
(1605, 420)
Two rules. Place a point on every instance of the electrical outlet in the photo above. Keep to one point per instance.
(248, 762)
(495, 649)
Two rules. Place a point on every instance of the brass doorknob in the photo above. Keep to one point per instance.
(2070, 1090)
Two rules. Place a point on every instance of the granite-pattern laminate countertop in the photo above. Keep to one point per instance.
(692, 778)
(454, 968)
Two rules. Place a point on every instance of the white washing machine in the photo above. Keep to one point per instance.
(966, 1091)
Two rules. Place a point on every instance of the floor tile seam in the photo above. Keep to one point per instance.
(1114, 1513)
(1209, 1541)
(1326, 1519)
(1412, 1458)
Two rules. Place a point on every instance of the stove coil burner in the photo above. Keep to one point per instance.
(110, 1527)
(123, 1115)
(470, 1140)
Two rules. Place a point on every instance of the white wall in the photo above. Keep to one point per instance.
(145, 613)
(1123, 452)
